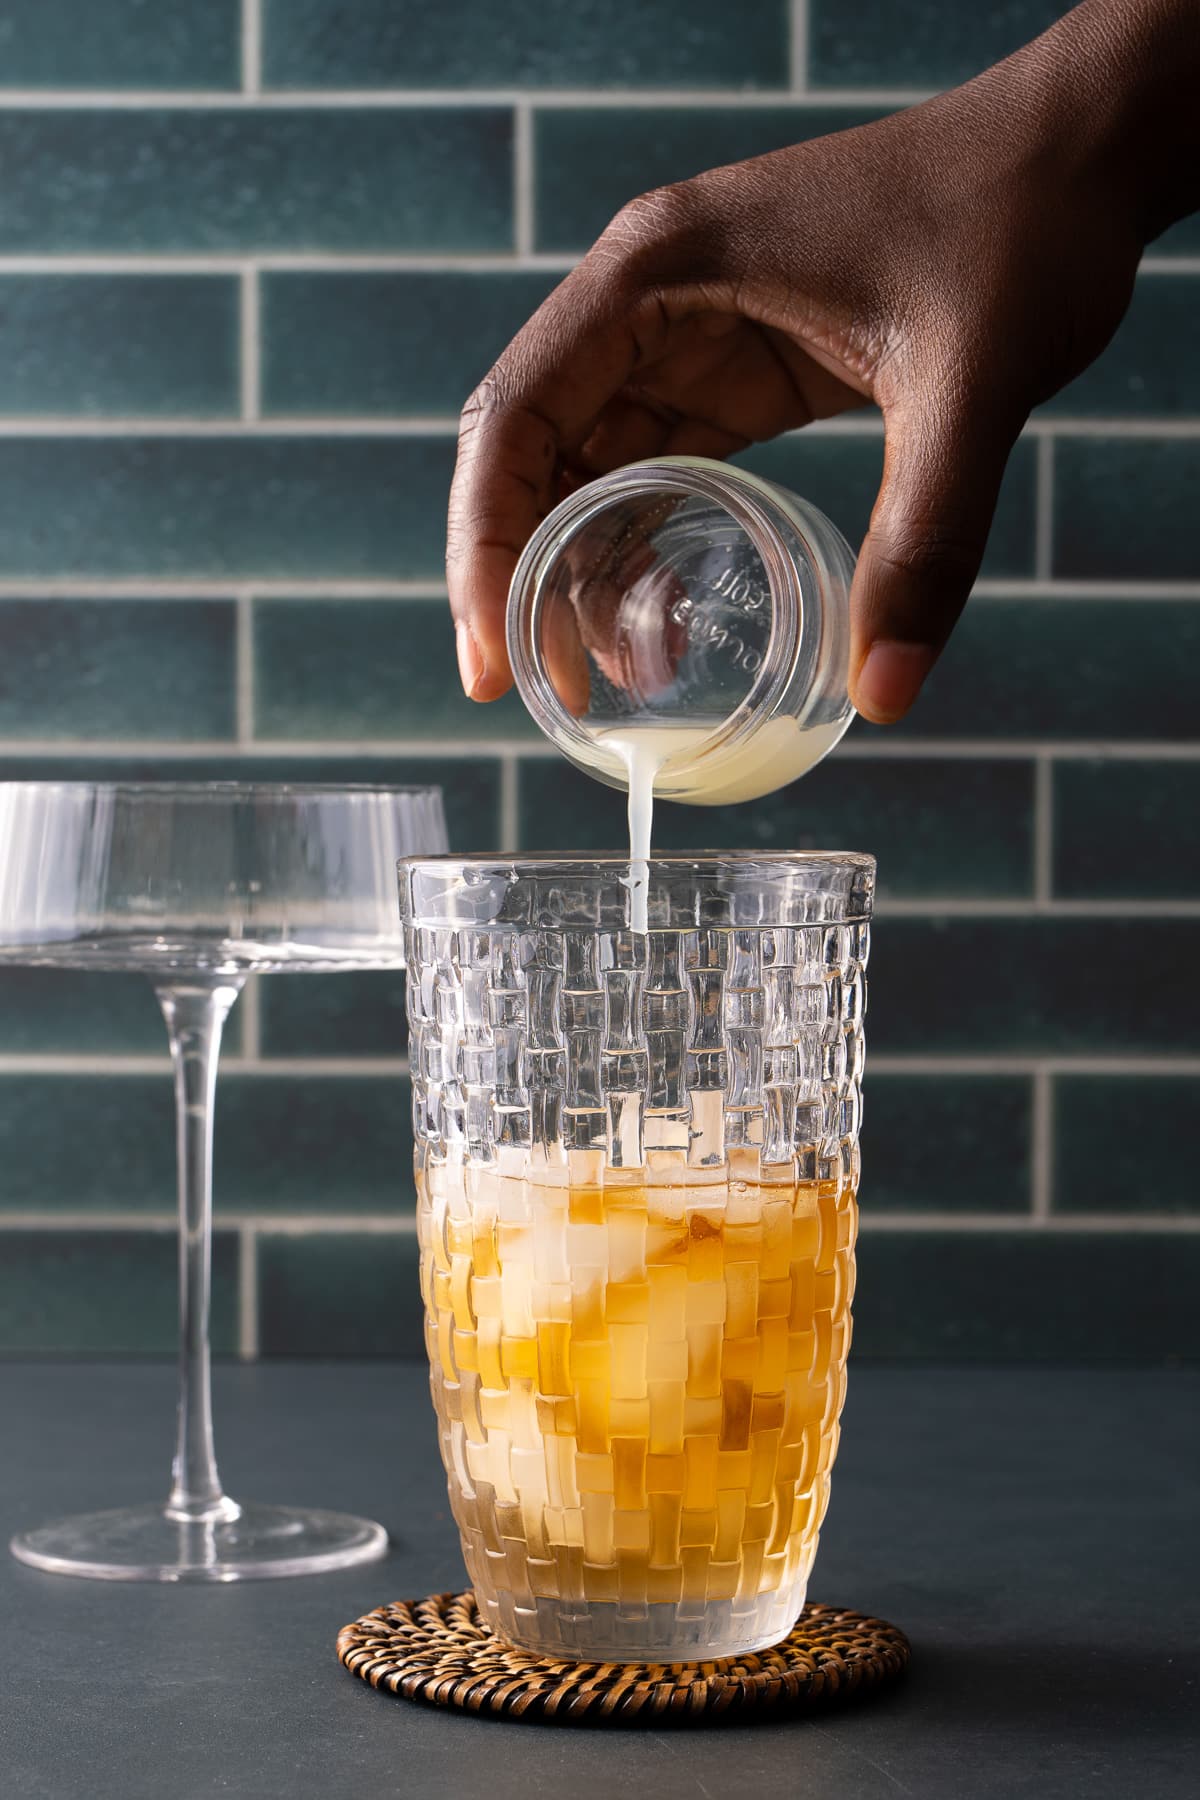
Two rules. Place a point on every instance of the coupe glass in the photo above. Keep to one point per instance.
(198, 886)
(637, 1161)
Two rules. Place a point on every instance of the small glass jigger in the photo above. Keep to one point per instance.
(637, 1161)
(690, 610)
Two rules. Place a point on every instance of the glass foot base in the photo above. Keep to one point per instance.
(141, 1543)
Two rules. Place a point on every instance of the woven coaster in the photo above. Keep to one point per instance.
(440, 1652)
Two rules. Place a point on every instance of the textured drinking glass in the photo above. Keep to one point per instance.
(199, 886)
(637, 1160)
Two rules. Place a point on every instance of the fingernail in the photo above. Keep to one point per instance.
(890, 678)
(471, 666)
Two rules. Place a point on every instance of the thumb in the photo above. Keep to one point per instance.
(941, 476)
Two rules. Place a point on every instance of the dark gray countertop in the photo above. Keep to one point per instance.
(1034, 1532)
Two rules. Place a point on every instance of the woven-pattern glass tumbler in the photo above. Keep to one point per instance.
(637, 1158)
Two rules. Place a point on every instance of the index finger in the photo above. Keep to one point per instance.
(575, 353)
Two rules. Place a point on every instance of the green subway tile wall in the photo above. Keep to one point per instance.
(243, 296)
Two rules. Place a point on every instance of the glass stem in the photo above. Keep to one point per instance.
(195, 1015)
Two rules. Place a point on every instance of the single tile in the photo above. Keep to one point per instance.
(841, 475)
(197, 507)
(122, 44)
(99, 1142)
(935, 45)
(411, 343)
(1062, 669)
(1146, 371)
(368, 668)
(1127, 830)
(135, 344)
(320, 1144)
(239, 178)
(1123, 508)
(340, 1294)
(284, 1144)
(75, 1012)
(1034, 985)
(588, 161)
(1126, 1144)
(470, 785)
(592, 43)
(104, 1293)
(339, 1015)
(117, 669)
(1027, 1296)
(937, 828)
(946, 1143)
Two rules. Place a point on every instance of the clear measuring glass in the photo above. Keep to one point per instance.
(688, 615)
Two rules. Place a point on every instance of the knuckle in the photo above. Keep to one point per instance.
(489, 396)
(654, 216)
(931, 551)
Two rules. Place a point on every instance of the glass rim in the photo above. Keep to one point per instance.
(242, 790)
(541, 862)
(717, 889)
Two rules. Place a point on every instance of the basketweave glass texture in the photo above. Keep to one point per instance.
(637, 1161)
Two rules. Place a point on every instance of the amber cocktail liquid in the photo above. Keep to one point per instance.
(637, 1162)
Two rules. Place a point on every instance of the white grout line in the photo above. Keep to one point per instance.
(798, 46)
(316, 261)
(1136, 1067)
(233, 1067)
(1041, 1150)
(951, 908)
(317, 427)
(643, 100)
(197, 588)
(251, 47)
(248, 1294)
(334, 262)
(250, 1011)
(398, 1224)
(875, 749)
(883, 1064)
(446, 424)
(248, 337)
(510, 831)
(977, 749)
(148, 587)
(1044, 517)
(1023, 1224)
(993, 588)
(523, 190)
(1043, 830)
(244, 669)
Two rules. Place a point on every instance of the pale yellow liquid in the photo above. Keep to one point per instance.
(638, 1391)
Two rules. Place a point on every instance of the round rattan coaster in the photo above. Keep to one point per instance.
(439, 1651)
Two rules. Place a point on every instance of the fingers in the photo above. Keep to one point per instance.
(941, 476)
(576, 352)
